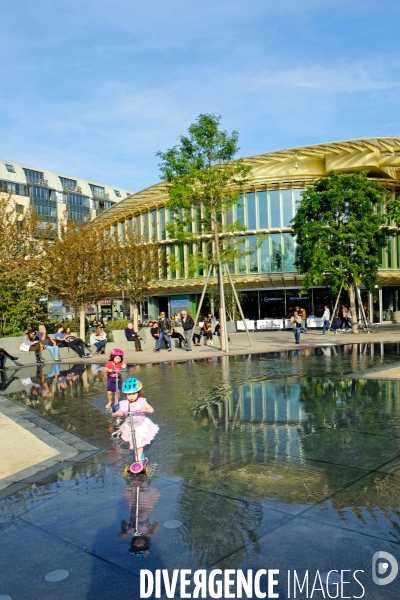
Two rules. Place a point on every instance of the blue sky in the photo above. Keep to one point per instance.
(95, 88)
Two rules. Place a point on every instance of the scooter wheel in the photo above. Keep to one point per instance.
(127, 470)
(147, 470)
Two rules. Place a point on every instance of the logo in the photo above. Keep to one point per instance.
(380, 568)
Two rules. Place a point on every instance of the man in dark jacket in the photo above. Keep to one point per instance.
(187, 324)
(163, 329)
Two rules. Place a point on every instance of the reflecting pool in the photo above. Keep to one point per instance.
(274, 461)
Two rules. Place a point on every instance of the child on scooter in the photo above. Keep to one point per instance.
(114, 380)
(145, 429)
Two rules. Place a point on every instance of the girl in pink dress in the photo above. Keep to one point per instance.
(136, 406)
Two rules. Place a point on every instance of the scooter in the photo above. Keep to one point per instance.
(136, 468)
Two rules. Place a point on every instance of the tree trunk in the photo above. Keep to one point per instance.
(222, 313)
(82, 324)
(353, 309)
(135, 317)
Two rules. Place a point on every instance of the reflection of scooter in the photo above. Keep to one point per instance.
(139, 527)
(135, 468)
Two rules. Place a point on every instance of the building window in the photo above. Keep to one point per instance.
(78, 207)
(288, 252)
(33, 176)
(276, 253)
(287, 207)
(10, 168)
(262, 210)
(274, 210)
(265, 262)
(251, 211)
(98, 192)
(117, 193)
(19, 208)
(138, 228)
(68, 184)
(161, 216)
(240, 210)
(253, 253)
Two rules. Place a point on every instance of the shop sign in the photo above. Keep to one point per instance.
(179, 303)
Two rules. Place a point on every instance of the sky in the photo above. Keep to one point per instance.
(94, 89)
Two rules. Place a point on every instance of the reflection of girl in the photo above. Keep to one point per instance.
(142, 530)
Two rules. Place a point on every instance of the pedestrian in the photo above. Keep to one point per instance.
(188, 325)
(30, 344)
(163, 330)
(114, 380)
(132, 336)
(344, 323)
(207, 328)
(213, 321)
(303, 316)
(173, 334)
(326, 321)
(47, 343)
(64, 338)
(99, 339)
(3, 355)
(197, 334)
(136, 404)
(296, 322)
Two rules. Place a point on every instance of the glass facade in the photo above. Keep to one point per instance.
(259, 211)
(78, 207)
(68, 184)
(45, 203)
(33, 176)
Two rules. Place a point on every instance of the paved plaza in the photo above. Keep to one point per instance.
(284, 458)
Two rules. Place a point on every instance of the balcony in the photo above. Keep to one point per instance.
(97, 195)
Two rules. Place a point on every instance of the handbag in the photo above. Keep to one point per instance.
(24, 347)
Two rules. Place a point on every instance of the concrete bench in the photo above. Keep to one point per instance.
(148, 342)
(12, 344)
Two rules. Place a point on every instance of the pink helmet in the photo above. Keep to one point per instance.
(116, 352)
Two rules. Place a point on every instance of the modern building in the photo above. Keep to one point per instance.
(267, 277)
(56, 196)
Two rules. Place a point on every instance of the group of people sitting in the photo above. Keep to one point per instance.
(36, 341)
(164, 330)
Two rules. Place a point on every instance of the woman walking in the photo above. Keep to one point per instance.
(296, 324)
(326, 321)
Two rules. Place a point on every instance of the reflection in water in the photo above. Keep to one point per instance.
(238, 435)
(141, 500)
(340, 423)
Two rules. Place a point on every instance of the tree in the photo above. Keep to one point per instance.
(135, 266)
(204, 183)
(23, 242)
(81, 266)
(339, 233)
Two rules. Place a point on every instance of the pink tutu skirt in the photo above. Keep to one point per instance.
(145, 432)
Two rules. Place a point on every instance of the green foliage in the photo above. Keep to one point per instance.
(116, 324)
(393, 209)
(20, 309)
(204, 183)
(338, 232)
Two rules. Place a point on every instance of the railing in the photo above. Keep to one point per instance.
(100, 195)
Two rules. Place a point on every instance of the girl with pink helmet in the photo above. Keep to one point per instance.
(114, 380)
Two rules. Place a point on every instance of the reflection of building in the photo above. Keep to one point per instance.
(288, 439)
(54, 195)
(267, 276)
